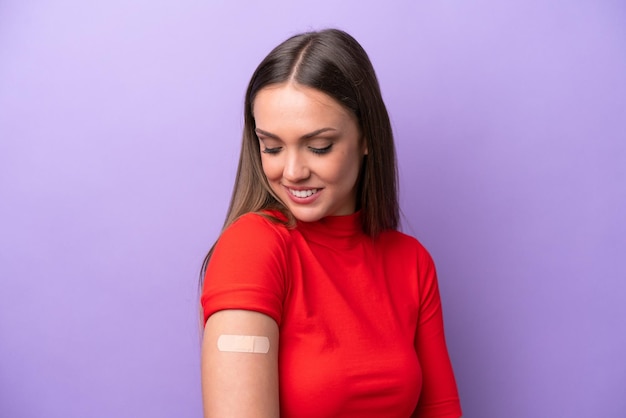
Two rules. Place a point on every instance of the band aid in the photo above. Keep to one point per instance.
(243, 344)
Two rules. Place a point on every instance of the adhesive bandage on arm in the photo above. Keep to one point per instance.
(243, 344)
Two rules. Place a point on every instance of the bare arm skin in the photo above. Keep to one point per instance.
(239, 384)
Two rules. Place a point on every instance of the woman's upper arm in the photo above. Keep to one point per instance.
(240, 384)
(439, 397)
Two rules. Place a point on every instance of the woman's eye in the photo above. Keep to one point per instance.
(268, 150)
(321, 150)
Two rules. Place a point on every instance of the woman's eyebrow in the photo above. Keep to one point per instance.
(305, 136)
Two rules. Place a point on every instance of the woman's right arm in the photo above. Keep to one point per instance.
(239, 384)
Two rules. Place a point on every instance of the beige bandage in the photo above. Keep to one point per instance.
(243, 344)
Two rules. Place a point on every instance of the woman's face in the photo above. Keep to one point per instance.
(311, 150)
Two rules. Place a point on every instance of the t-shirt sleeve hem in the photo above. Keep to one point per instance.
(247, 307)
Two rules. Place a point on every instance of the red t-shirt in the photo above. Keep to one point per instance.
(360, 320)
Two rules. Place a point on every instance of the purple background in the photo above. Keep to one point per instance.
(119, 134)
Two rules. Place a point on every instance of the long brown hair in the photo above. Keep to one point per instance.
(333, 62)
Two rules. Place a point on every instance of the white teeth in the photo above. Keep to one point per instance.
(303, 193)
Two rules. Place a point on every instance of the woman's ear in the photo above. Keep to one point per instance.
(364, 142)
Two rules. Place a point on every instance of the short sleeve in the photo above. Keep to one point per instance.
(247, 269)
(439, 397)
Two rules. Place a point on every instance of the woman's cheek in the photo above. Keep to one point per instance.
(271, 168)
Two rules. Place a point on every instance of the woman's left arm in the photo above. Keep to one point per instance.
(439, 397)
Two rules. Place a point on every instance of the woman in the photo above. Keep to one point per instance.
(315, 305)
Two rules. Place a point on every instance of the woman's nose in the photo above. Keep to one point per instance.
(296, 168)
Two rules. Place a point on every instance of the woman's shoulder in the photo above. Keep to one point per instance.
(252, 236)
(258, 226)
(399, 241)
(393, 236)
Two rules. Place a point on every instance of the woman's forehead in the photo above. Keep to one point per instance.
(285, 104)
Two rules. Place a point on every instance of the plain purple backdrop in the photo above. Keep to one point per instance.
(120, 125)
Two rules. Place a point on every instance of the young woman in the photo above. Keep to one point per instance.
(315, 305)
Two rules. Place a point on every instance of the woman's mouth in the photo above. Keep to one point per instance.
(303, 193)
